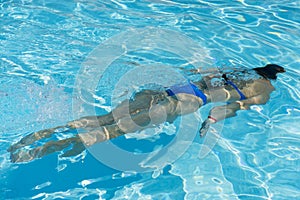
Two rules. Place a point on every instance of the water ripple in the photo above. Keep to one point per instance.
(44, 43)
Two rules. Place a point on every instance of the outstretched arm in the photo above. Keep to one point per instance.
(222, 112)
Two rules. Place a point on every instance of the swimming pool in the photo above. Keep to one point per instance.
(44, 45)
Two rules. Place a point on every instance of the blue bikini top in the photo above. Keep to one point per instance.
(227, 81)
(243, 97)
(189, 88)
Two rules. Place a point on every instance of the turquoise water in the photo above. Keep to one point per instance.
(43, 46)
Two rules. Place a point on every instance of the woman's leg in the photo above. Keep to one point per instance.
(72, 146)
(89, 122)
(131, 115)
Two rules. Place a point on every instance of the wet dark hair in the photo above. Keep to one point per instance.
(269, 71)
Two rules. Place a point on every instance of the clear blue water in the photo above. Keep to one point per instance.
(43, 46)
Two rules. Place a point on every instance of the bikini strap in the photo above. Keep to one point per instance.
(227, 81)
(189, 88)
(243, 97)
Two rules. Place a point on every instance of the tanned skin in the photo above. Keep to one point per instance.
(149, 108)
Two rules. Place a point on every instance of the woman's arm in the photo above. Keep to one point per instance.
(222, 112)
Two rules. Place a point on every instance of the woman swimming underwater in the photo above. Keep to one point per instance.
(240, 88)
